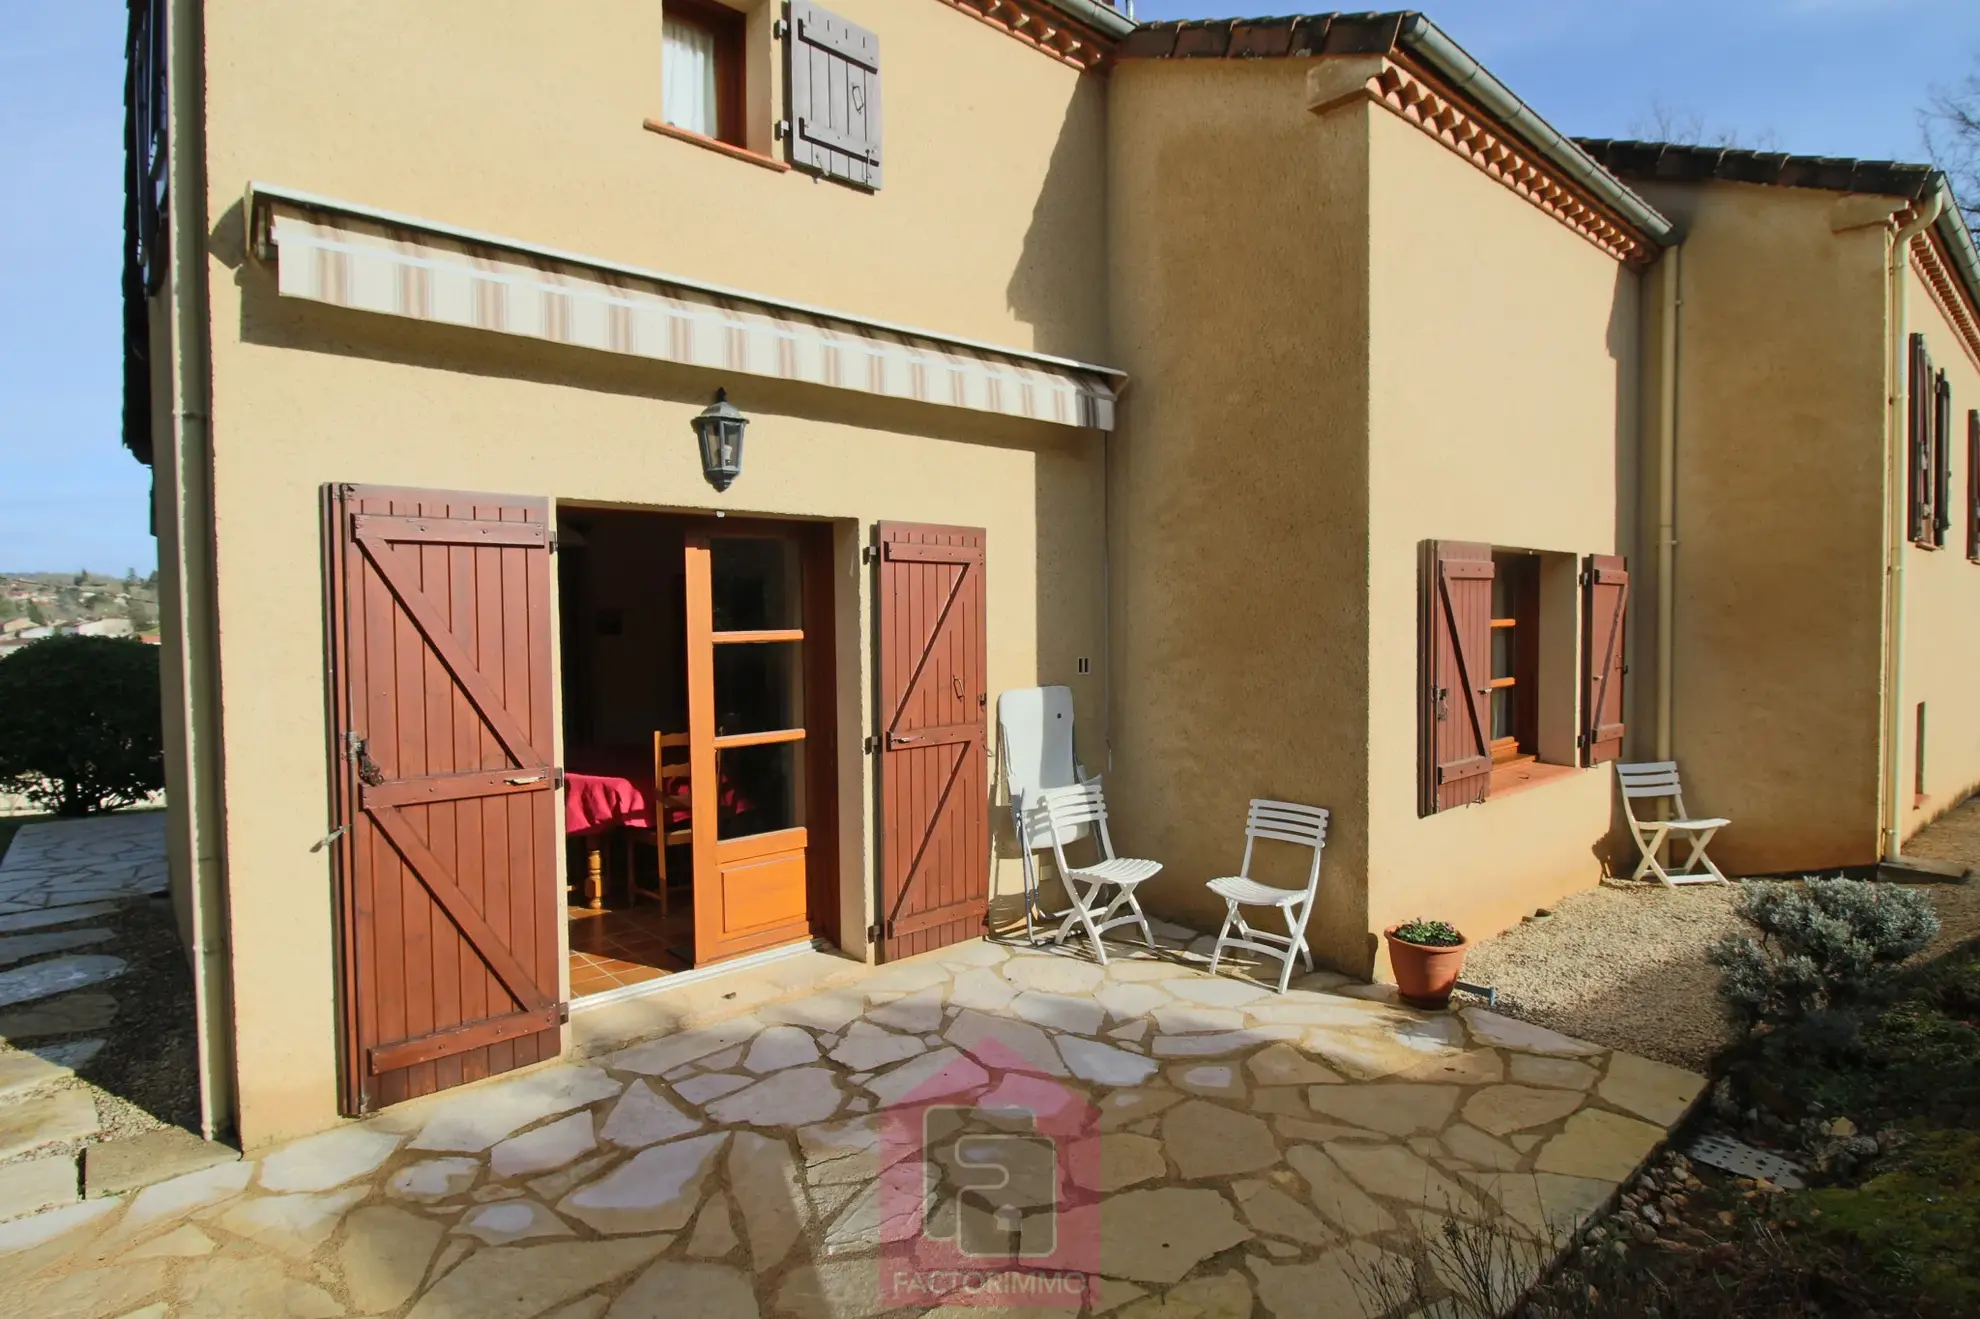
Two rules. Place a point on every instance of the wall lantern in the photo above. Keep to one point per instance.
(719, 430)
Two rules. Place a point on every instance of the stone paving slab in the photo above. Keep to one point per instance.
(66, 1015)
(66, 862)
(1213, 1147)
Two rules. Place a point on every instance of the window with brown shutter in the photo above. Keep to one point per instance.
(1941, 460)
(1604, 609)
(1922, 397)
(832, 96)
(701, 75)
(1454, 713)
(1973, 486)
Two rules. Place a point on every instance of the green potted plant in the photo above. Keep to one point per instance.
(1427, 957)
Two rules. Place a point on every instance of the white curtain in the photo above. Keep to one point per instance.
(687, 77)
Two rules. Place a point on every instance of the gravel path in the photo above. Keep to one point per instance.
(1626, 964)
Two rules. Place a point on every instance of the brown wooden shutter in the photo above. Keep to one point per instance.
(934, 782)
(1941, 459)
(832, 91)
(1604, 608)
(448, 911)
(1973, 485)
(1454, 717)
(1919, 394)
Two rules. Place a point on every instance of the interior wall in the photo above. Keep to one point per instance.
(1503, 410)
(630, 628)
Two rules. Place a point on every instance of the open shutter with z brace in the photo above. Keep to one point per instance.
(1604, 609)
(933, 703)
(1454, 648)
(447, 903)
(832, 96)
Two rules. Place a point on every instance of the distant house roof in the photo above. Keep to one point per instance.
(15, 625)
(1410, 33)
(1673, 162)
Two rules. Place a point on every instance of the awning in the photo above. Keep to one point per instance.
(352, 256)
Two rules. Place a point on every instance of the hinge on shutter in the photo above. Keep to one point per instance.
(563, 1014)
(553, 542)
(878, 931)
(557, 778)
(1580, 740)
(869, 554)
(871, 745)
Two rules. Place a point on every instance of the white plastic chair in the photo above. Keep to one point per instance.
(1283, 822)
(1035, 742)
(1067, 809)
(1655, 779)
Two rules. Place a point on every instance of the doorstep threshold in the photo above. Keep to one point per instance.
(699, 974)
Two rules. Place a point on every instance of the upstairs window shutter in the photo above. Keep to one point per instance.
(1604, 607)
(1941, 459)
(1973, 486)
(1919, 423)
(1454, 649)
(833, 96)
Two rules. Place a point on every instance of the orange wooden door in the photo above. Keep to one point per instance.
(934, 700)
(448, 910)
(748, 745)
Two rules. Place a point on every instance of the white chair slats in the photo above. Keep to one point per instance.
(1282, 822)
(1068, 811)
(1658, 779)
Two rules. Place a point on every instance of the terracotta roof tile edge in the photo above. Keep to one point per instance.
(1404, 31)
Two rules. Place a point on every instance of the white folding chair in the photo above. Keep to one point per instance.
(1066, 809)
(1035, 742)
(1283, 822)
(1655, 779)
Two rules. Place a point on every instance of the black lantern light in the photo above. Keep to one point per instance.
(719, 429)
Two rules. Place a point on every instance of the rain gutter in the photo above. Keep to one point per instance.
(1466, 75)
(1104, 19)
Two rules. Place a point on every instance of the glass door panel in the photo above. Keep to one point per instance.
(759, 686)
(746, 730)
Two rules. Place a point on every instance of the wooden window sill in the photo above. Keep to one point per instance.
(1519, 775)
(713, 144)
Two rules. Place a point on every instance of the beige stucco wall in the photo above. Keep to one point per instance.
(1239, 278)
(1503, 409)
(525, 120)
(530, 128)
(1780, 482)
(1941, 607)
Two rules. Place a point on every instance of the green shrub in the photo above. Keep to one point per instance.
(1429, 933)
(1825, 947)
(79, 723)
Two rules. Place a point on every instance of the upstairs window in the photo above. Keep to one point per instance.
(1929, 483)
(1973, 486)
(701, 70)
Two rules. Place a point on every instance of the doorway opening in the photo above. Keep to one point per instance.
(697, 697)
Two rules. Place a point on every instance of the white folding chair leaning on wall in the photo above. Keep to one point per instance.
(1649, 781)
(1066, 810)
(1283, 822)
(1035, 741)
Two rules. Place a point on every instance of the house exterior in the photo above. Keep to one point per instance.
(1204, 384)
(1822, 486)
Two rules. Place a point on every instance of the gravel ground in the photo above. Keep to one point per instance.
(1626, 964)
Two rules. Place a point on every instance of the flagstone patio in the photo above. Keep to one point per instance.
(1240, 1147)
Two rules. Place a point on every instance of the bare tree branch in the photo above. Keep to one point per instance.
(1950, 126)
(1684, 126)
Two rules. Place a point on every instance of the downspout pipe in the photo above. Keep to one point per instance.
(1897, 394)
(1667, 389)
(198, 637)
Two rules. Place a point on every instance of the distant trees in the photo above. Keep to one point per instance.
(79, 723)
(1950, 124)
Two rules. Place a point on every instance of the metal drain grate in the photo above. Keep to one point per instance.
(1736, 1156)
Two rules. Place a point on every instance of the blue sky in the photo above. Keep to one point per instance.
(1831, 77)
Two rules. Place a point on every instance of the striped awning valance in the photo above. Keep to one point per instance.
(353, 257)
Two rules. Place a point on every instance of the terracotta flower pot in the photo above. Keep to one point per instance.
(1425, 973)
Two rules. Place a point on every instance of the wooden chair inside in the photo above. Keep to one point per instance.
(670, 764)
